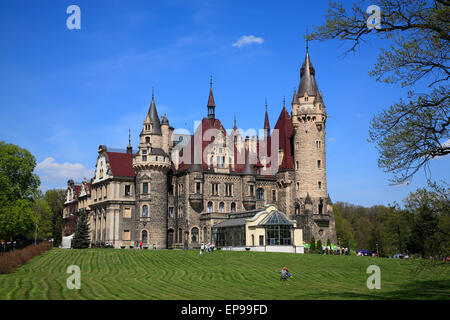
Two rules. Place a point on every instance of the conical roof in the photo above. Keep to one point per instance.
(211, 102)
(294, 98)
(154, 119)
(266, 120)
(307, 79)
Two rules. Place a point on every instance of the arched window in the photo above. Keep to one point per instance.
(233, 207)
(144, 211)
(144, 236)
(147, 139)
(297, 209)
(210, 206)
(194, 235)
(221, 206)
(260, 194)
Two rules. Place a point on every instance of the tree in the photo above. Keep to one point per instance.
(81, 239)
(55, 199)
(312, 248)
(17, 180)
(18, 183)
(430, 230)
(409, 133)
(319, 247)
(16, 219)
(328, 246)
(43, 218)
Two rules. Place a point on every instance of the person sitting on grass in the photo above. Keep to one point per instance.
(285, 274)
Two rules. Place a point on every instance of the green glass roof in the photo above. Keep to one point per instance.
(275, 218)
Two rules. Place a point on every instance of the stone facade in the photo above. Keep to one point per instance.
(174, 189)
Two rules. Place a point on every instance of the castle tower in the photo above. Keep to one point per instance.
(309, 118)
(151, 164)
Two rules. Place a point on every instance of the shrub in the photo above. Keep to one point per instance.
(10, 261)
(312, 248)
(319, 246)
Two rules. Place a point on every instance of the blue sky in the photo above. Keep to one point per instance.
(64, 92)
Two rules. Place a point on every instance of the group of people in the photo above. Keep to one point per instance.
(138, 245)
(209, 247)
(6, 246)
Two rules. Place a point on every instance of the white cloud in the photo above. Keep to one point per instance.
(446, 143)
(247, 40)
(52, 170)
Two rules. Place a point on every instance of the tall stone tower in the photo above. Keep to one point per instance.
(312, 203)
(151, 164)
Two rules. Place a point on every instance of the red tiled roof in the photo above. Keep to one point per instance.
(121, 164)
(77, 189)
(285, 131)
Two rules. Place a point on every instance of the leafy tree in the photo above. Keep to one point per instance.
(81, 239)
(17, 180)
(43, 217)
(16, 219)
(409, 133)
(430, 216)
(18, 183)
(328, 246)
(55, 199)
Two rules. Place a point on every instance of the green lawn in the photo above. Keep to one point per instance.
(131, 274)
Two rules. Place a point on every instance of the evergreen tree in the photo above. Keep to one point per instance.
(319, 246)
(312, 248)
(328, 246)
(81, 238)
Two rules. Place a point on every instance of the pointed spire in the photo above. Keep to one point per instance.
(307, 78)
(153, 116)
(211, 104)
(129, 147)
(235, 127)
(266, 124)
(294, 98)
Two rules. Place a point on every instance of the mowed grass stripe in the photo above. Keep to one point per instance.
(173, 274)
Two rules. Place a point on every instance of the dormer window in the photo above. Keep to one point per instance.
(306, 98)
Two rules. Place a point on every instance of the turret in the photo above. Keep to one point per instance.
(308, 119)
(151, 164)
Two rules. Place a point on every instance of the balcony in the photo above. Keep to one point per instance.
(196, 201)
(249, 202)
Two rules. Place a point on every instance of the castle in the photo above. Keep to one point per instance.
(174, 189)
